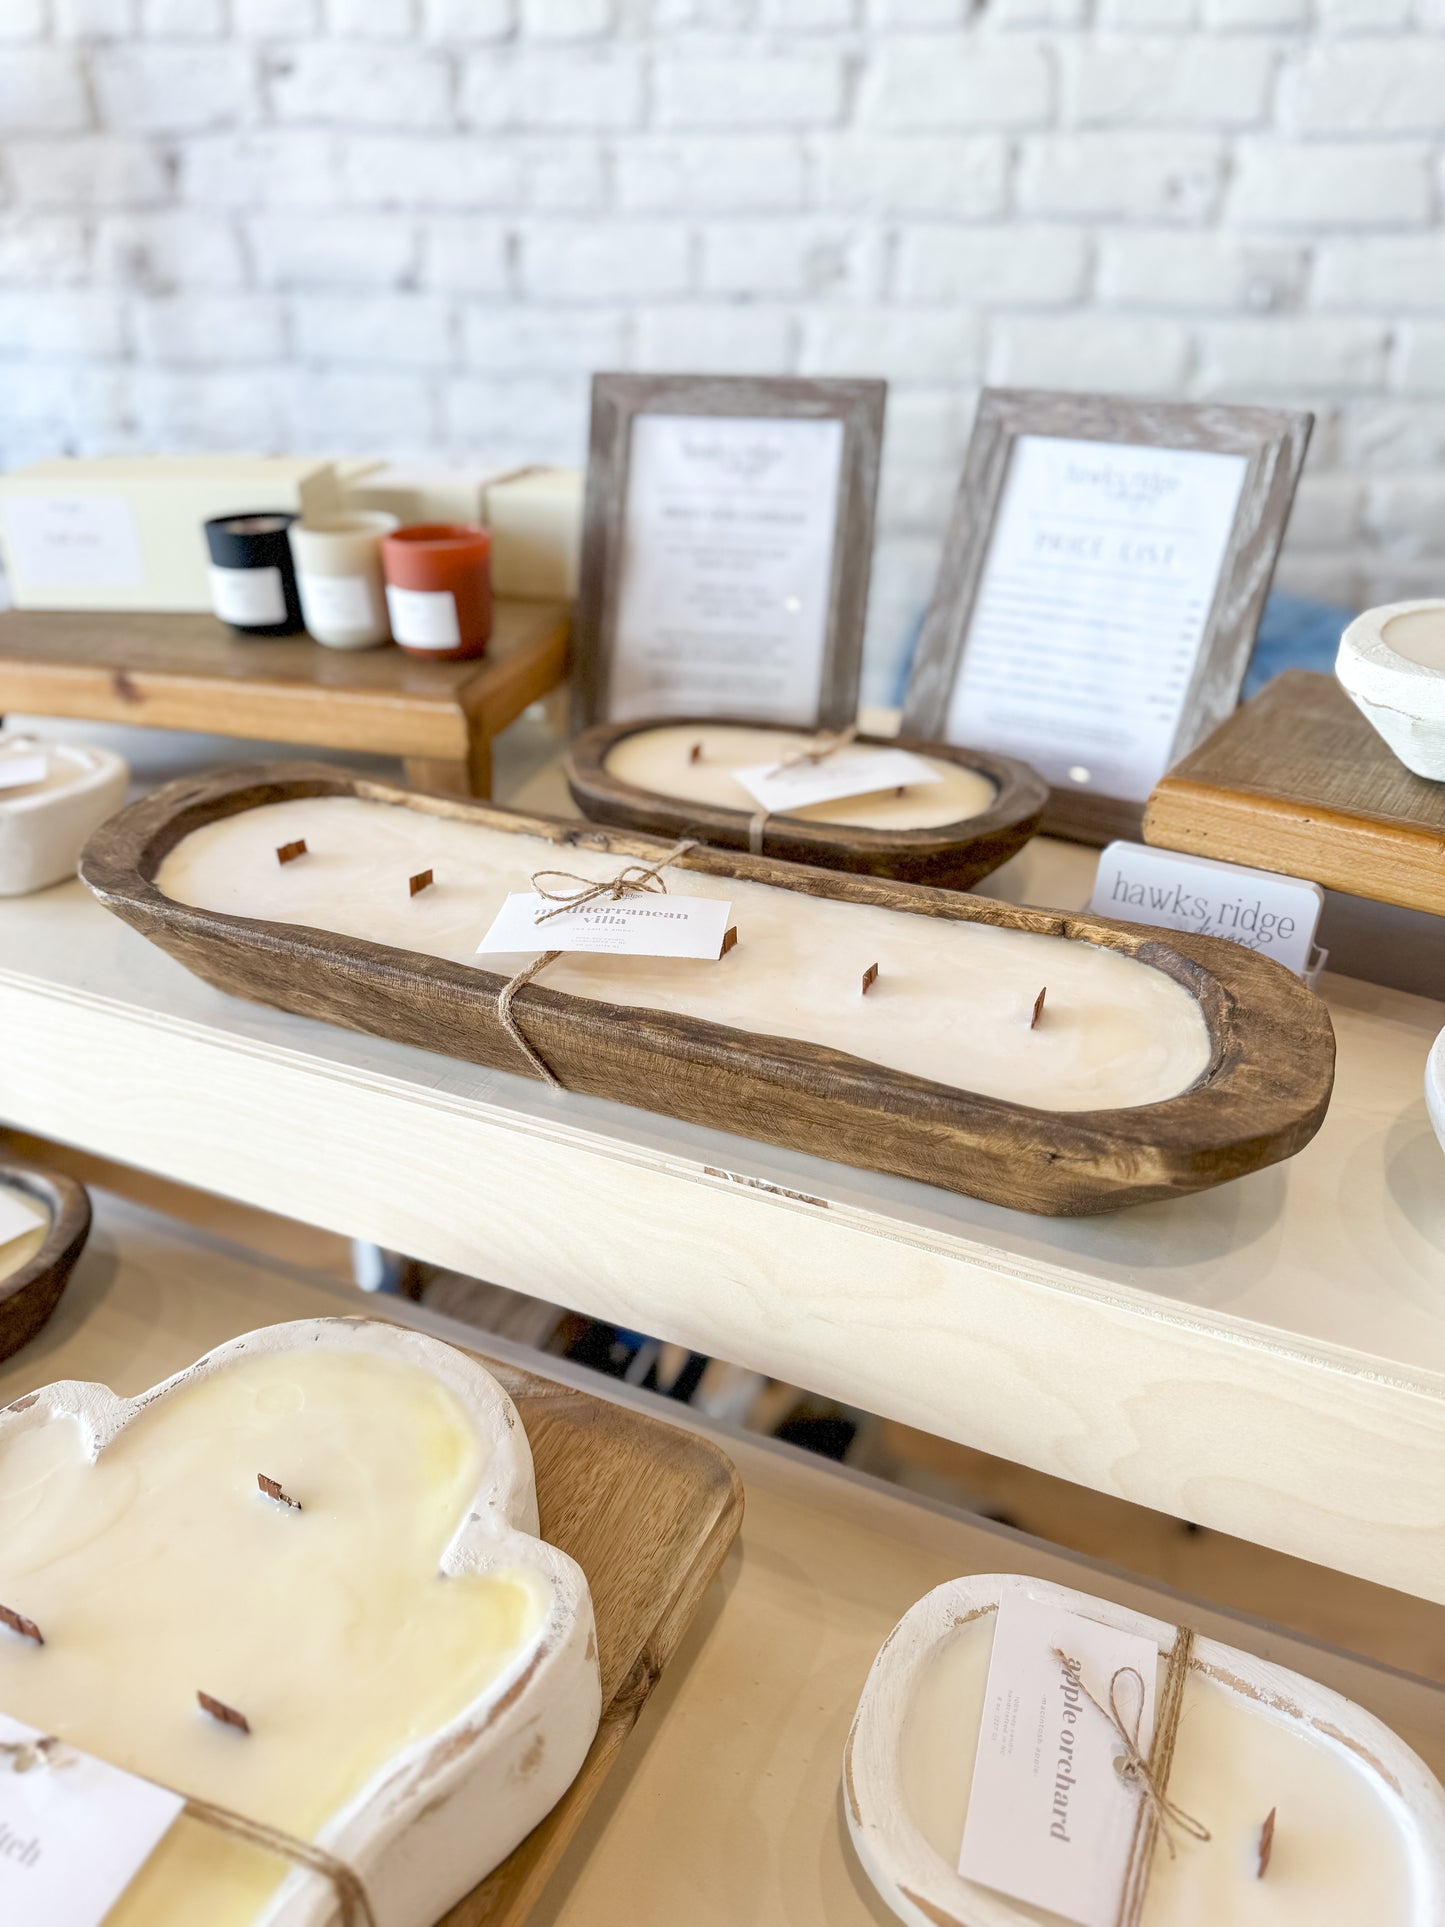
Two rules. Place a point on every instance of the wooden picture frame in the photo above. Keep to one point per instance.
(1272, 442)
(618, 402)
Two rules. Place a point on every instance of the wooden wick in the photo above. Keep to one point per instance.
(273, 1491)
(870, 977)
(902, 790)
(694, 755)
(1266, 1843)
(421, 881)
(288, 852)
(227, 1715)
(1038, 1008)
(729, 942)
(18, 1623)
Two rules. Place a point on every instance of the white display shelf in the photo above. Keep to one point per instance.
(1267, 1358)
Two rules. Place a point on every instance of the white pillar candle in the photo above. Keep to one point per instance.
(952, 1001)
(338, 574)
(662, 760)
(158, 1569)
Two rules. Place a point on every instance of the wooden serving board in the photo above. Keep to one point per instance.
(1298, 781)
(28, 1296)
(952, 856)
(1261, 1098)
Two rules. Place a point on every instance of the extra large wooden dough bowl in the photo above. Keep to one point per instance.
(950, 855)
(1257, 1061)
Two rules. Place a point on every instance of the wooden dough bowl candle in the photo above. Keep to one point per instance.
(1160, 1064)
(37, 1261)
(1358, 1835)
(675, 779)
(416, 1667)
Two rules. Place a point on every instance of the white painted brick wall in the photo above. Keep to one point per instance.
(416, 226)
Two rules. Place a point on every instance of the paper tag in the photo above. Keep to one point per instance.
(19, 1214)
(337, 602)
(1049, 1818)
(847, 772)
(424, 618)
(251, 597)
(74, 542)
(16, 771)
(1275, 915)
(74, 1833)
(642, 926)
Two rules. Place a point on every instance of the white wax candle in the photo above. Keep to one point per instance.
(338, 577)
(1338, 1859)
(1419, 636)
(951, 1003)
(63, 768)
(159, 1570)
(661, 760)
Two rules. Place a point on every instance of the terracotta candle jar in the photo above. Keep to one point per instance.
(439, 589)
(338, 571)
(253, 582)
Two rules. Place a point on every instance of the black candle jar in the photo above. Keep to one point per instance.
(253, 579)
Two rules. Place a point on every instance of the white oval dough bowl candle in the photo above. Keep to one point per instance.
(951, 1003)
(378, 1640)
(662, 760)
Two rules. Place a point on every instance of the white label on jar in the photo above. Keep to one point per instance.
(331, 602)
(252, 597)
(424, 618)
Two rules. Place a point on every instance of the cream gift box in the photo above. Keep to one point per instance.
(416, 1667)
(536, 521)
(420, 492)
(1358, 1834)
(126, 532)
(44, 824)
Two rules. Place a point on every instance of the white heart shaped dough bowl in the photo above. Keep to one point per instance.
(1359, 1834)
(418, 1668)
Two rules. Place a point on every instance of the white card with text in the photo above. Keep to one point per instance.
(1049, 1818)
(74, 541)
(846, 772)
(74, 1833)
(19, 1214)
(650, 925)
(18, 771)
(1275, 915)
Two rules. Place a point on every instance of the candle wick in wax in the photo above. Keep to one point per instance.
(420, 882)
(729, 942)
(694, 755)
(273, 1491)
(1038, 1008)
(18, 1623)
(1266, 1843)
(870, 977)
(288, 852)
(227, 1715)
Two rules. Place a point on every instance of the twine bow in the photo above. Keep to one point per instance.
(815, 752)
(351, 1895)
(636, 879)
(1157, 1814)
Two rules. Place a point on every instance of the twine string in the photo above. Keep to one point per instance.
(816, 752)
(351, 1894)
(635, 879)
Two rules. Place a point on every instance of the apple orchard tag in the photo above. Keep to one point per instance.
(843, 772)
(1050, 1820)
(74, 1832)
(648, 925)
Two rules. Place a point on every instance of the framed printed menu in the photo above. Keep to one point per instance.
(726, 547)
(1103, 579)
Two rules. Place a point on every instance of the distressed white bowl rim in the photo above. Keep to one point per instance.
(96, 768)
(448, 1769)
(923, 1889)
(1370, 667)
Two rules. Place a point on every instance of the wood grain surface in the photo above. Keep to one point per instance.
(1261, 1099)
(1298, 781)
(1273, 442)
(29, 1296)
(952, 856)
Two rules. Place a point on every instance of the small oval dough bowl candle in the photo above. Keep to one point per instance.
(1357, 1837)
(44, 1223)
(878, 1023)
(676, 779)
(1391, 664)
(416, 1667)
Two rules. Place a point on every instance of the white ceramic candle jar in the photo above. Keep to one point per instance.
(1392, 666)
(44, 824)
(338, 572)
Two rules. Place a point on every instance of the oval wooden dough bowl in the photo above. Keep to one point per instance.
(925, 1889)
(949, 856)
(436, 1817)
(1261, 1097)
(30, 1294)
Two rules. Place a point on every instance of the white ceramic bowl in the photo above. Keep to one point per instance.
(1392, 666)
(45, 826)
